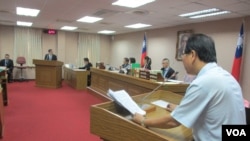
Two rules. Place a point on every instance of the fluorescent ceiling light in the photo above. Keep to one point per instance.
(138, 25)
(88, 19)
(199, 12)
(204, 13)
(132, 3)
(106, 32)
(27, 11)
(68, 28)
(210, 14)
(24, 23)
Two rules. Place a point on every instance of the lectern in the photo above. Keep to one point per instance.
(48, 73)
(110, 122)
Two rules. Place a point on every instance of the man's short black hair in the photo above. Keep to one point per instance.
(86, 59)
(132, 60)
(203, 45)
(126, 59)
(49, 50)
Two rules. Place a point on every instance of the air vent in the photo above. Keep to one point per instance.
(105, 12)
(139, 12)
(6, 22)
(4, 12)
(64, 21)
(104, 23)
(82, 29)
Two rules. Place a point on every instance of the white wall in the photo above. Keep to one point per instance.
(162, 43)
(64, 45)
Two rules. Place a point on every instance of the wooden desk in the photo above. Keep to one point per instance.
(108, 121)
(76, 78)
(3, 82)
(102, 80)
(1, 114)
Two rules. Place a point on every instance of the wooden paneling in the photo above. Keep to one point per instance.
(102, 80)
(1, 115)
(3, 82)
(76, 78)
(108, 121)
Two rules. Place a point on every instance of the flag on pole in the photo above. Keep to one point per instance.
(144, 49)
(238, 55)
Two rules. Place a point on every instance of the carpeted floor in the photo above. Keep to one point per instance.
(42, 114)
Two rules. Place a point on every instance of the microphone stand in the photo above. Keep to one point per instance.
(152, 91)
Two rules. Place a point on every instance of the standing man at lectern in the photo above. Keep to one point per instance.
(213, 99)
(50, 56)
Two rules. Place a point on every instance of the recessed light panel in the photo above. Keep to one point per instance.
(20, 23)
(106, 32)
(27, 11)
(68, 28)
(132, 3)
(138, 25)
(88, 19)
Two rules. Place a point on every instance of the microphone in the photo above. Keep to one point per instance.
(150, 93)
(173, 75)
(148, 107)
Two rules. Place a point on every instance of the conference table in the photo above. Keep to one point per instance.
(76, 78)
(102, 80)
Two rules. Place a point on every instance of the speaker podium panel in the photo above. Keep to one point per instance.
(48, 73)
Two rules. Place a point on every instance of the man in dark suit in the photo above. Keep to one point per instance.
(167, 71)
(87, 66)
(50, 56)
(8, 63)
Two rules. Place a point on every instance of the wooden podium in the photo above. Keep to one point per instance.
(48, 73)
(110, 122)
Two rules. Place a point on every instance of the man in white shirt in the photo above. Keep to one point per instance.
(213, 99)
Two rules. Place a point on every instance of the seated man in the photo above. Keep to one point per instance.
(167, 71)
(8, 63)
(87, 66)
(125, 66)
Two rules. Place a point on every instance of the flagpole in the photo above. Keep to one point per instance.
(243, 51)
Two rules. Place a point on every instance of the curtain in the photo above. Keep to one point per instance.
(88, 46)
(28, 43)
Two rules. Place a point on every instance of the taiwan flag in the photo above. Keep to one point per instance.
(144, 50)
(238, 55)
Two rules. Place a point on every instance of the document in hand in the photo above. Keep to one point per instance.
(122, 98)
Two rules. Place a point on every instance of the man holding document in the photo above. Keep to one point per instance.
(213, 99)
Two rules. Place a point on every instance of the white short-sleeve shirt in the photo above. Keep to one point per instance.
(213, 99)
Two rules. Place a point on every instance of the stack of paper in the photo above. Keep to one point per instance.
(122, 98)
(161, 103)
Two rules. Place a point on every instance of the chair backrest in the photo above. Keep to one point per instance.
(21, 60)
